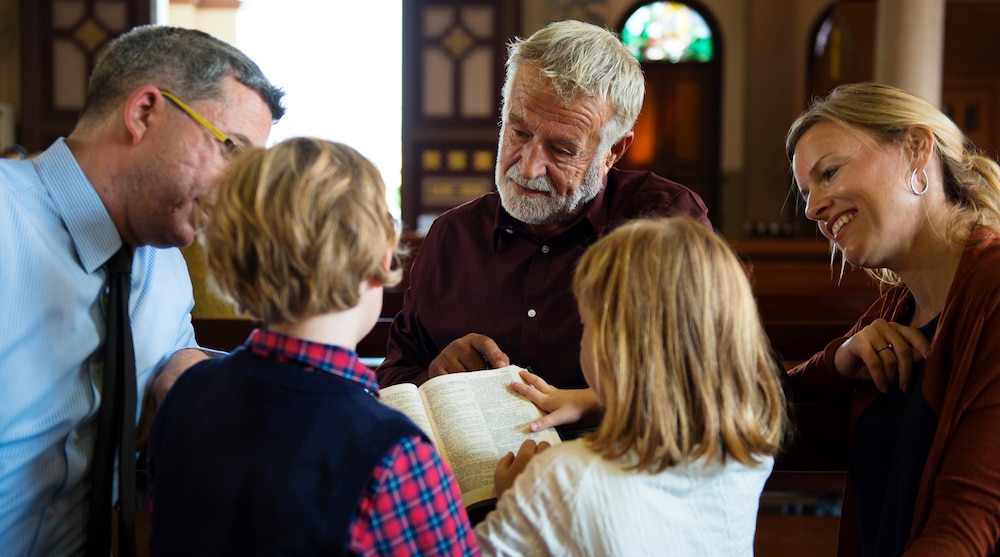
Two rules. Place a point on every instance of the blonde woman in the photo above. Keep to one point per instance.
(899, 190)
(674, 352)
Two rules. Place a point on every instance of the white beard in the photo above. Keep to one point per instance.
(550, 209)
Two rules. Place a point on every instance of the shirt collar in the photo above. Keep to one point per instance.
(313, 356)
(596, 213)
(95, 237)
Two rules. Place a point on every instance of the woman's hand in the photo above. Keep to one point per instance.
(883, 353)
(511, 465)
(564, 406)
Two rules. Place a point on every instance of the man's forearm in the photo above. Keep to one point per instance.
(163, 380)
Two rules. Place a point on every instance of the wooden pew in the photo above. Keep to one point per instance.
(227, 334)
(802, 301)
(802, 304)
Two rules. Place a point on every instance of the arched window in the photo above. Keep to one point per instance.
(842, 48)
(677, 135)
(670, 32)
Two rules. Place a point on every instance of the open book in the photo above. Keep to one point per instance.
(474, 419)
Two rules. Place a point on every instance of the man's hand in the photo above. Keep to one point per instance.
(469, 353)
(564, 406)
(883, 353)
(510, 465)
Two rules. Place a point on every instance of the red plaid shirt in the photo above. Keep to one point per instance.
(412, 505)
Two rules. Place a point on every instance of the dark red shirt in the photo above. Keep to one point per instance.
(479, 271)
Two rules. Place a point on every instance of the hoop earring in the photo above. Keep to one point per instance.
(927, 182)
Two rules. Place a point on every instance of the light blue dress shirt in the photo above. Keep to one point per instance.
(55, 237)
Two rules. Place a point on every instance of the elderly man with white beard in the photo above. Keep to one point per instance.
(490, 284)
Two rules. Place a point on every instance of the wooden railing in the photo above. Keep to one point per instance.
(803, 301)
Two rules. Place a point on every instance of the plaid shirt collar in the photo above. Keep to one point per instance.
(313, 356)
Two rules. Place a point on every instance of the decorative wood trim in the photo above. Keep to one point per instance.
(421, 131)
(41, 121)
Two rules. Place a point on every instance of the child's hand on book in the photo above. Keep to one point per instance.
(564, 406)
(511, 465)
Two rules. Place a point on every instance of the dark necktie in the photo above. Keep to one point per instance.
(116, 421)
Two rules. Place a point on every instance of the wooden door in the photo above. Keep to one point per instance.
(677, 133)
(972, 104)
(453, 68)
(60, 43)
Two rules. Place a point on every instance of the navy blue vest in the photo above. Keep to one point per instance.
(249, 456)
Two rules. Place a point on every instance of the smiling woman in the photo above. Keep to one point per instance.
(898, 189)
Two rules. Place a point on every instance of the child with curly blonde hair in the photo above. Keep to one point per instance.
(282, 447)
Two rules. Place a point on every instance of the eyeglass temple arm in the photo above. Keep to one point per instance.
(190, 112)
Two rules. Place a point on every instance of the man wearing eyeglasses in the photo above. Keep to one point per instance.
(165, 110)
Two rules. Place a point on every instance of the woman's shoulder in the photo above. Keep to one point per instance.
(984, 247)
(980, 264)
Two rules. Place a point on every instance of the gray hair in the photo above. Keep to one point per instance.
(583, 59)
(186, 62)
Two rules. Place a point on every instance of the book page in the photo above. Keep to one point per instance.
(406, 398)
(477, 419)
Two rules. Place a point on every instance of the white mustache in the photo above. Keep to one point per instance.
(542, 183)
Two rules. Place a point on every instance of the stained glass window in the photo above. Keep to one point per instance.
(668, 32)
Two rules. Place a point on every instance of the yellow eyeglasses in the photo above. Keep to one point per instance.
(231, 147)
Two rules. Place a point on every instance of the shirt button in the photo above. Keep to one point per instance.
(510, 231)
(545, 249)
(531, 313)
(75, 437)
(50, 512)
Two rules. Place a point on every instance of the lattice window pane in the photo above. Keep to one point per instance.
(438, 83)
(113, 15)
(437, 20)
(477, 84)
(69, 75)
(478, 20)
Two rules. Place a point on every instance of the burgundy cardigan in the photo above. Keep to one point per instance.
(957, 508)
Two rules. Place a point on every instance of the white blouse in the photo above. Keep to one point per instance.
(571, 501)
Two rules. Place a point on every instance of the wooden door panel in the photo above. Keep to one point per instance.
(61, 41)
(677, 133)
(972, 105)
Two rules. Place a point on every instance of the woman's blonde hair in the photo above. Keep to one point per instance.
(297, 228)
(887, 115)
(679, 355)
